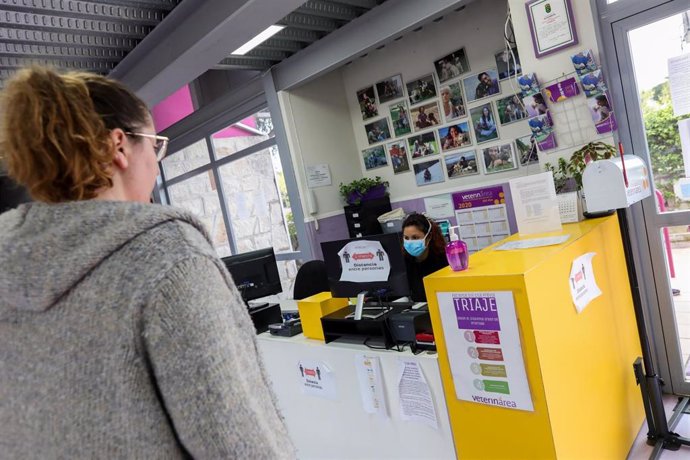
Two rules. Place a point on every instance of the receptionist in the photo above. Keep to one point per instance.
(425, 252)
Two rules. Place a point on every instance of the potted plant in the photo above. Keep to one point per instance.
(363, 189)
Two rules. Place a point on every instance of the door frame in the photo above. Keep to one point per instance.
(648, 252)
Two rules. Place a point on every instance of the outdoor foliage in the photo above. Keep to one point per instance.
(663, 139)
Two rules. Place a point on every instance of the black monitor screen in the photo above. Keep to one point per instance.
(255, 273)
(370, 263)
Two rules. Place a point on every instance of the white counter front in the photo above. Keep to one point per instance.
(340, 428)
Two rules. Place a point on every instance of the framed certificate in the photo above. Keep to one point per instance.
(551, 24)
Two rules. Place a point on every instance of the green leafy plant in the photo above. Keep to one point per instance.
(353, 192)
(567, 174)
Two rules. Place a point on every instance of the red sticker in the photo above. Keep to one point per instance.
(490, 354)
(488, 337)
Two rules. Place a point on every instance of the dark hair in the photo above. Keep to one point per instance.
(437, 244)
(479, 77)
(539, 98)
(55, 131)
(602, 98)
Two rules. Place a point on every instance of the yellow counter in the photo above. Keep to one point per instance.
(578, 366)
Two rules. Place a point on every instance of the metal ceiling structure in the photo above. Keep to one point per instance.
(96, 35)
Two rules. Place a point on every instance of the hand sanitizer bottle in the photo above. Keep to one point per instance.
(456, 252)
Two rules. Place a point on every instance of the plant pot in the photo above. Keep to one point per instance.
(355, 197)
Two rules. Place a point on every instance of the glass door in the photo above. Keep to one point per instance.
(657, 128)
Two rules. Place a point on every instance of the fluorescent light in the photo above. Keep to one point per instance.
(259, 39)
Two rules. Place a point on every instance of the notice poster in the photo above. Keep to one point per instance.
(416, 402)
(364, 261)
(679, 82)
(484, 348)
(482, 217)
(371, 385)
(535, 204)
(318, 176)
(583, 285)
(316, 379)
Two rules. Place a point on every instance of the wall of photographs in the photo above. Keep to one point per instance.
(440, 109)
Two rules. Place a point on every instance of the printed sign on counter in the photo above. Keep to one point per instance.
(484, 348)
(371, 385)
(416, 402)
(583, 285)
(316, 379)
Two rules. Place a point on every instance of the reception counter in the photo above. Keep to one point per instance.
(527, 375)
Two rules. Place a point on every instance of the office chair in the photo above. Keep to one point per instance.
(311, 279)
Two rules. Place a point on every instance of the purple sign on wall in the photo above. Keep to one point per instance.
(476, 198)
(477, 313)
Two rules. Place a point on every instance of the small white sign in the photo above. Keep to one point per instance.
(532, 243)
(583, 285)
(316, 379)
(679, 81)
(439, 206)
(318, 176)
(364, 260)
(535, 204)
(371, 385)
(416, 402)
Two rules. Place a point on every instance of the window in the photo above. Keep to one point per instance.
(239, 191)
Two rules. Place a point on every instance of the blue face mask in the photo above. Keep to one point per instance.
(415, 248)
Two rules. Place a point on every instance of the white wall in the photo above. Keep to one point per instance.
(325, 125)
(319, 131)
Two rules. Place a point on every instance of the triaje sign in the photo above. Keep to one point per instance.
(484, 349)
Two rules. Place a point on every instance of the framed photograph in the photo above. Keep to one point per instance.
(510, 109)
(400, 117)
(507, 64)
(461, 164)
(541, 126)
(535, 105)
(527, 150)
(390, 88)
(484, 123)
(455, 136)
(552, 25)
(423, 145)
(422, 89)
(399, 158)
(452, 66)
(374, 157)
(481, 85)
(378, 131)
(367, 103)
(428, 172)
(426, 116)
(499, 158)
(453, 102)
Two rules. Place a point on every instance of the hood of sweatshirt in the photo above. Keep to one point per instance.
(46, 249)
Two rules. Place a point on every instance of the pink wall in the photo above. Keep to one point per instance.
(233, 131)
(173, 108)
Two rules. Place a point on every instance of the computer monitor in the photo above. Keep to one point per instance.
(255, 273)
(371, 263)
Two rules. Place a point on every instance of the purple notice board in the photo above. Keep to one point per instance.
(479, 197)
(477, 313)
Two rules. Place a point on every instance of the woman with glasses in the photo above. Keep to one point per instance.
(121, 333)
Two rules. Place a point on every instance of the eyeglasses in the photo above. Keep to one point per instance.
(160, 145)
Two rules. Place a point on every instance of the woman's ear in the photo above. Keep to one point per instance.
(120, 147)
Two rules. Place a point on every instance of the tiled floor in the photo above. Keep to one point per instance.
(640, 450)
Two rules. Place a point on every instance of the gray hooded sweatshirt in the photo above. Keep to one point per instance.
(123, 336)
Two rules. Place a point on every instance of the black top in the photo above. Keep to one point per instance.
(418, 270)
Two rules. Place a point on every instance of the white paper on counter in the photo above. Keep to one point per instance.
(535, 204)
(416, 402)
(583, 285)
(533, 243)
(316, 379)
(371, 385)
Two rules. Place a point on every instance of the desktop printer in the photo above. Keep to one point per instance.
(406, 324)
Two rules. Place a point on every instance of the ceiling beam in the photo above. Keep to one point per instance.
(68, 24)
(299, 35)
(60, 52)
(377, 27)
(309, 22)
(273, 44)
(368, 4)
(28, 36)
(87, 10)
(193, 38)
(328, 10)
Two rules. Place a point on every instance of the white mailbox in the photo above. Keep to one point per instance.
(604, 186)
